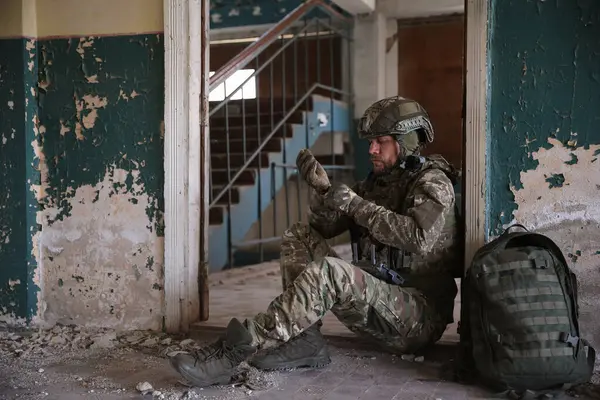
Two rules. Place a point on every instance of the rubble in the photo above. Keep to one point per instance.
(144, 388)
(25, 343)
(32, 353)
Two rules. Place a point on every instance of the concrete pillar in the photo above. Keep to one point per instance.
(375, 72)
(369, 61)
(391, 57)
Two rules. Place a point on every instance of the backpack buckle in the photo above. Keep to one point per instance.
(571, 340)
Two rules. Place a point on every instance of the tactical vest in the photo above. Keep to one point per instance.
(395, 191)
(447, 255)
(431, 273)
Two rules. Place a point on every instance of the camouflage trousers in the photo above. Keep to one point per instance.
(316, 281)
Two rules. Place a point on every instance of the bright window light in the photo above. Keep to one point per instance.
(248, 91)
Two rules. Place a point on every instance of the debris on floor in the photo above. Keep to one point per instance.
(36, 364)
(66, 363)
(69, 360)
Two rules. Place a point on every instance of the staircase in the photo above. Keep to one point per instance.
(254, 143)
(252, 192)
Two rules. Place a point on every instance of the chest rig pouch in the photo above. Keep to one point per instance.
(395, 268)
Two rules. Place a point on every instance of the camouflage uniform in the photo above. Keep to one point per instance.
(316, 280)
(406, 215)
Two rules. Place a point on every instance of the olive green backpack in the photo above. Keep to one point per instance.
(519, 329)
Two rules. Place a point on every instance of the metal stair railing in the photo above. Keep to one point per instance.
(253, 50)
(312, 24)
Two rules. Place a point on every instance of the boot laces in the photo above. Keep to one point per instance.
(219, 349)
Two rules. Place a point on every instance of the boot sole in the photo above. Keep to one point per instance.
(313, 362)
(220, 380)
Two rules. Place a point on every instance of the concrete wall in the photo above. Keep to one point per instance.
(419, 9)
(82, 99)
(17, 112)
(544, 139)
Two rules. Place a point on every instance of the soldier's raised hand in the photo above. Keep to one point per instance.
(312, 171)
(339, 198)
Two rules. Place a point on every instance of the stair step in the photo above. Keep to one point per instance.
(222, 177)
(250, 131)
(220, 147)
(219, 161)
(251, 118)
(235, 195)
(215, 216)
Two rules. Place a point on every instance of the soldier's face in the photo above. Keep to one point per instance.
(384, 151)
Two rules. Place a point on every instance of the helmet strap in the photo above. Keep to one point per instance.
(409, 145)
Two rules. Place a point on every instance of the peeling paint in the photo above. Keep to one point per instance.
(552, 188)
(83, 214)
(84, 43)
(12, 283)
(91, 104)
(539, 206)
(227, 14)
(17, 91)
(101, 183)
(92, 79)
(102, 285)
(555, 180)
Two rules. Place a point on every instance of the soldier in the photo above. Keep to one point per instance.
(399, 290)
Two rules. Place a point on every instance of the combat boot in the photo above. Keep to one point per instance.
(216, 363)
(305, 350)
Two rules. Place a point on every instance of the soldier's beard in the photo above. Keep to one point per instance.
(382, 167)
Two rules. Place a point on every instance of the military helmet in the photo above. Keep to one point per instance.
(395, 116)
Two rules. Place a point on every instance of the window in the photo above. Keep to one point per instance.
(248, 91)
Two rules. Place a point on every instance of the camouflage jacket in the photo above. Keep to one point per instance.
(410, 210)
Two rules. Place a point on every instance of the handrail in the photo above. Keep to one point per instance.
(270, 135)
(266, 39)
(254, 74)
(216, 108)
(272, 239)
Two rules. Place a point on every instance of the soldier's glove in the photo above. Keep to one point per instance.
(312, 171)
(341, 198)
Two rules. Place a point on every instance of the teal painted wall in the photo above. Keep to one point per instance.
(13, 225)
(101, 106)
(87, 163)
(545, 83)
(107, 94)
(229, 14)
(544, 130)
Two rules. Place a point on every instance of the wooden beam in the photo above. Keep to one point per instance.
(204, 168)
(475, 126)
(182, 157)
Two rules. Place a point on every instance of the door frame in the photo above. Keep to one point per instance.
(186, 158)
(475, 126)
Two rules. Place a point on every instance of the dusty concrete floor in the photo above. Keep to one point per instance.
(70, 363)
(109, 366)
